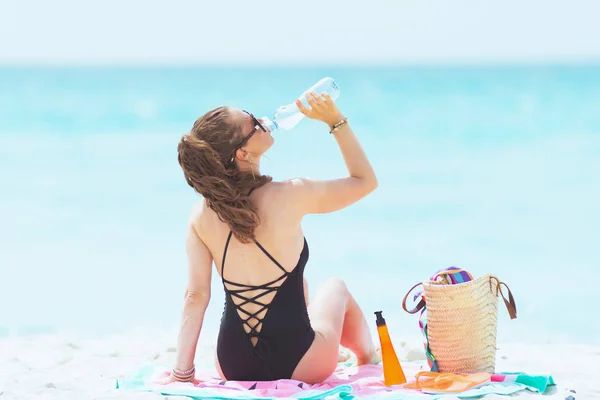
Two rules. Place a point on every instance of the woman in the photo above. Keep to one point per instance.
(250, 226)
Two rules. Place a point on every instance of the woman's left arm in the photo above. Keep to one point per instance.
(197, 297)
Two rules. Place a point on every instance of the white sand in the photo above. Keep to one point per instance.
(59, 367)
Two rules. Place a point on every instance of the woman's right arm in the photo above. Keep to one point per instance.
(197, 298)
(322, 196)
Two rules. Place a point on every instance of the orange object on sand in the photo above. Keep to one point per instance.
(436, 382)
(392, 371)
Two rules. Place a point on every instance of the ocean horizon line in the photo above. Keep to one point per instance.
(408, 64)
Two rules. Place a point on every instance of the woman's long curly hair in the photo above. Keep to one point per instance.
(205, 156)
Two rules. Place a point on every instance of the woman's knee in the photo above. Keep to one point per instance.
(331, 293)
(338, 284)
(329, 303)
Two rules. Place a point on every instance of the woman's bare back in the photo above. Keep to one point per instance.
(280, 233)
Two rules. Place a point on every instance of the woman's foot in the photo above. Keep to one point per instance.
(344, 355)
(373, 358)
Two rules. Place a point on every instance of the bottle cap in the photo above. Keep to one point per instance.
(380, 320)
(269, 124)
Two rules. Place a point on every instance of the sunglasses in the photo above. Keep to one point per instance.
(257, 126)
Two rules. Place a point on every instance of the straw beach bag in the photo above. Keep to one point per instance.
(459, 317)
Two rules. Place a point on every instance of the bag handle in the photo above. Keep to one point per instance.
(421, 303)
(419, 306)
(511, 306)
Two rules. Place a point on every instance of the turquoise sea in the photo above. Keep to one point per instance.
(493, 169)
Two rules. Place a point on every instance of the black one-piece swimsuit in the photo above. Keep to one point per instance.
(283, 334)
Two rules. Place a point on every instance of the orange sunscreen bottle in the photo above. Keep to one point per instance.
(392, 371)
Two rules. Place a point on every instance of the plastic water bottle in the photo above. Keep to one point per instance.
(288, 116)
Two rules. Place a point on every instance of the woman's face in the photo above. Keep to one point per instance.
(257, 138)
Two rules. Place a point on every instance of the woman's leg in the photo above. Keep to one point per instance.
(337, 319)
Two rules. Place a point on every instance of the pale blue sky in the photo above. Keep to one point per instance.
(294, 32)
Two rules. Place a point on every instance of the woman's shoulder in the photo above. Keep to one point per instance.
(200, 215)
(278, 191)
(286, 186)
(294, 190)
(285, 196)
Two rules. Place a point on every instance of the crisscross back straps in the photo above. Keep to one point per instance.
(240, 291)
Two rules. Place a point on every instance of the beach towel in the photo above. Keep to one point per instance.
(348, 382)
